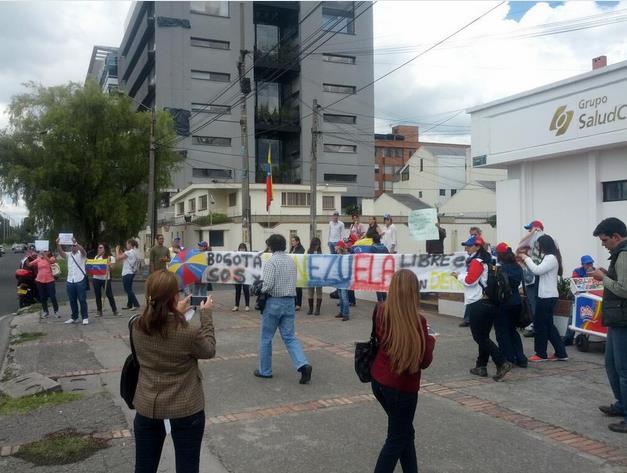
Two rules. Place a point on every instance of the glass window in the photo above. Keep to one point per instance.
(210, 108)
(420, 194)
(180, 208)
(209, 43)
(214, 76)
(378, 151)
(216, 238)
(211, 8)
(339, 89)
(232, 199)
(212, 173)
(191, 205)
(387, 152)
(340, 148)
(202, 202)
(267, 97)
(345, 119)
(338, 58)
(614, 191)
(398, 152)
(295, 199)
(405, 174)
(421, 165)
(338, 17)
(443, 192)
(341, 177)
(328, 202)
(267, 37)
(453, 192)
(211, 141)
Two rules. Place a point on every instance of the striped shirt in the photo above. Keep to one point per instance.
(279, 275)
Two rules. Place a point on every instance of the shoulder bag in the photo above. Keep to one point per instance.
(87, 286)
(130, 371)
(365, 352)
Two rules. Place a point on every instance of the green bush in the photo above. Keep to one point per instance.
(214, 219)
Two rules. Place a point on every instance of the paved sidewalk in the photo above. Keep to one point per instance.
(544, 418)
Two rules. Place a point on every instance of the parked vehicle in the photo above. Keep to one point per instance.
(19, 248)
(26, 287)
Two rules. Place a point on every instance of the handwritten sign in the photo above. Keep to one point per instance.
(66, 238)
(362, 272)
(41, 245)
(422, 224)
(578, 285)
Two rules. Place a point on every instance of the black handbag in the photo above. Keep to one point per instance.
(524, 317)
(365, 353)
(130, 372)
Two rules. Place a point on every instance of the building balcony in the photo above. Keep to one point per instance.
(285, 119)
(284, 58)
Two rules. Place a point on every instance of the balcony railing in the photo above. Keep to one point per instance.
(285, 57)
(288, 116)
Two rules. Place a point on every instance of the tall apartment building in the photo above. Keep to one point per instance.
(392, 151)
(103, 67)
(183, 57)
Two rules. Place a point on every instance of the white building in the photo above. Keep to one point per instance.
(564, 146)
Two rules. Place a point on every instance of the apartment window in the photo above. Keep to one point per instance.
(341, 177)
(421, 165)
(198, 107)
(216, 238)
(211, 8)
(345, 119)
(340, 148)
(191, 204)
(211, 141)
(338, 58)
(378, 151)
(212, 76)
(328, 202)
(212, 173)
(267, 38)
(267, 97)
(387, 152)
(443, 192)
(180, 208)
(614, 191)
(420, 194)
(232, 199)
(453, 192)
(339, 89)
(338, 17)
(398, 152)
(209, 43)
(202, 202)
(295, 199)
(405, 174)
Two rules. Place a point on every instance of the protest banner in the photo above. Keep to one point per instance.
(361, 272)
(66, 238)
(41, 245)
(422, 224)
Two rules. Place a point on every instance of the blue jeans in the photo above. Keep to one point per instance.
(47, 290)
(77, 294)
(332, 247)
(127, 282)
(344, 304)
(99, 284)
(279, 313)
(187, 435)
(545, 330)
(507, 336)
(400, 408)
(616, 365)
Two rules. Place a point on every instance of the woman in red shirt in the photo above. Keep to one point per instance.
(45, 282)
(405, 348)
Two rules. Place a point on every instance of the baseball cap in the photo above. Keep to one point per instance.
(387, 216)
(587, 259)
(203, 243)
(502, 247)
(177, 239)
(474, 240)
(535, 224)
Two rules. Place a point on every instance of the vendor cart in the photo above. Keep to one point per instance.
(587, 312)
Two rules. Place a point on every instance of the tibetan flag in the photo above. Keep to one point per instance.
(96, 267)
(269, 193)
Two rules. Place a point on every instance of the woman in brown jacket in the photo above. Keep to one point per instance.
(168, 348)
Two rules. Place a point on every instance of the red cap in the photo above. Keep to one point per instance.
(535, 224)
(502, 247)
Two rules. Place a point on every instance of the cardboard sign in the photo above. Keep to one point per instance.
(66, 239)
(41, 245)
(422, 224)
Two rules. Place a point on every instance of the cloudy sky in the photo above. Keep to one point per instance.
(518, 46)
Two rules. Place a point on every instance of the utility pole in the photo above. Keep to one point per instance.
(313, 172)
(244, 83)
(151, 221)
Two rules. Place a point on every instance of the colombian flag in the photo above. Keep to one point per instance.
(269, 193)
(96, 267)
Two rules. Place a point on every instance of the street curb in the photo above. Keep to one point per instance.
(5, 335)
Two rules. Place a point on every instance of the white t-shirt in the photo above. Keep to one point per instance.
(75, 267)
(130, 262)
(336, 231)
(389, 237)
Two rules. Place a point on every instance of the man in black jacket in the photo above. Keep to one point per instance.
(613, 235)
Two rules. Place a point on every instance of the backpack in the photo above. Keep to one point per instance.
(491, 289)
(504, 287)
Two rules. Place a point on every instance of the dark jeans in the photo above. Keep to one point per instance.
(507, 335)
(482, 316)
(382, 296)
(187, 435)
(238, 294)
(616, 365)
(351, 298)
(466, 316)
(544, 329)
(400, 408)
(47, 290)
(98, 285)
(77, 294)
(127, 282)
(299, 296)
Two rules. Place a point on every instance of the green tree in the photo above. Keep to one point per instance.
(79, 158)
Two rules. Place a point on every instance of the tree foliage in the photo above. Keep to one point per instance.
(79, 158)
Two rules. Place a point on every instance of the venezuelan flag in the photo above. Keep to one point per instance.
(96, 267)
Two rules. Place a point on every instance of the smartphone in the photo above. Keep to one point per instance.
(199, 294)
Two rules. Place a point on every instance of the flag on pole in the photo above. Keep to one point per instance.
(269, 192)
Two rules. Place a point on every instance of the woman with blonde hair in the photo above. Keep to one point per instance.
(168, 348)
(405, 348)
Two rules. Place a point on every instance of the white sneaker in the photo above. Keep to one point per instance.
(85, 321)
(71, 321)
(246, 308)
(235, 309)
(134, 309)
